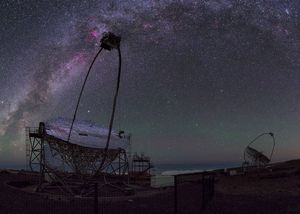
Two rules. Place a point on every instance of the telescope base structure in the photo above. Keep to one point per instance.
(73, 168)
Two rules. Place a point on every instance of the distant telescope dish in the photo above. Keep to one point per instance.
(252, 157)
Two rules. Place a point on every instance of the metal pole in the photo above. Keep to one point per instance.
(119, 163)
(42, 155)
(41, 161)
(96, 198)
(210, 188)
(203, 191)
(175, 195)
(213, 187)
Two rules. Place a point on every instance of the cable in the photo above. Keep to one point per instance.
(112, 113)
(273, 146)
(82, 88)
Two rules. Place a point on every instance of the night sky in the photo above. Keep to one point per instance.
(200, 78)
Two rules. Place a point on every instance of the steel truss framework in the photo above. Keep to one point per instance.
(79, 165)
(33, 149)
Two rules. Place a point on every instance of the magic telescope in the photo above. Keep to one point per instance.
(61, 147)
(109, 41)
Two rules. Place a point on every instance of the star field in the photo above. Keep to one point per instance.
(200, 79)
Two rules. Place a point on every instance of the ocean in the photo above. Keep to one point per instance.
(13, 166)
(180, 168)
(162, 168)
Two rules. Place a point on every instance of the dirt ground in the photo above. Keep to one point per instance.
(273, 190)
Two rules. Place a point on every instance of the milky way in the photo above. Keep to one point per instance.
(200, 78)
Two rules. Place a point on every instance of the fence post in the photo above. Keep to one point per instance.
(96, 198)
(203, 191)
(175, 195)
(213, 187)
(210, 188)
